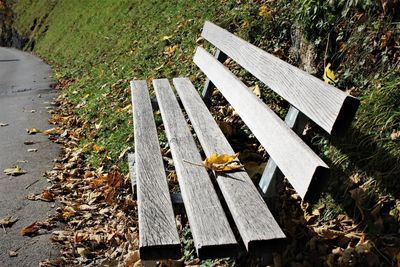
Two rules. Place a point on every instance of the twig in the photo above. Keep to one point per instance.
(32, 184)
(196, 164)
(326, 48)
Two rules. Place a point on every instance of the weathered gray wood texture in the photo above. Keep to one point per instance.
(212, 234)
(131, 166)
(324, 104)
(158, 236)
(296, 121)
(295, 159)
(254, 221)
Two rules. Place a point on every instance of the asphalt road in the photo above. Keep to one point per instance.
(25, 98)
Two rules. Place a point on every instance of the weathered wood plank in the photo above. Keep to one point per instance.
(212, 234)
(254, 221)
(295, 159)
(324, 104)
(296, 121)
(158, 236)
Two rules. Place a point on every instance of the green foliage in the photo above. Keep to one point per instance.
(319, 17)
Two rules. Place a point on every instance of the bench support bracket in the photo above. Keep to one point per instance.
(209, 86)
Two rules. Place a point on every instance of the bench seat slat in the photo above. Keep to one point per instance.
(211, 231)
(295, 159)
(255, 223)
(158, 236)
(326, 105)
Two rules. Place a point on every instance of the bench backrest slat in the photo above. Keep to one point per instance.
(324, 104)
(295, 159)
(255, 223)
(160, 241)
(210, 228)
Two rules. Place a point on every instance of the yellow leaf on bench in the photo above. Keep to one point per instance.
(223, 163)
(329, 75)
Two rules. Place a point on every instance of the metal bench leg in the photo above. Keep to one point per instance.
(209, 86)
(272, 175)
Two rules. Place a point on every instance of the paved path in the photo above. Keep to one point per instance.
(25, 96)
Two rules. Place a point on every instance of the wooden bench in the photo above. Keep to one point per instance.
(213, 232)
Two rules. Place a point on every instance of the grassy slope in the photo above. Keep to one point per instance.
(103, 44)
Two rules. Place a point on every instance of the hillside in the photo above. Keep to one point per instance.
(97, 47)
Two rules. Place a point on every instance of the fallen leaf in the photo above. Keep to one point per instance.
(166, 37)
(14, 171)
(12, 253)
(132, 258)
(46, 196)
(122, 154)
(222, 163)
(28, 143)
(329, 75)
(169, 50)
(395, 135)
(327, 233)
(31, 229)
(8, 221)
(34, 228)
(83, 252)
(98, 148)
(256, 90)
(32, 131)
(317, 211)
(125, 109)
(264, 11)
(52, 131)
(2, 124)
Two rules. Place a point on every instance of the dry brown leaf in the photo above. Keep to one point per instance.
(14, 171)
(115, 181)
(8, 221)
(132, 258)
(52, 131)
(327, 233)
(47, 196)
(83, 252)
(318, 210)
(31, 229)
